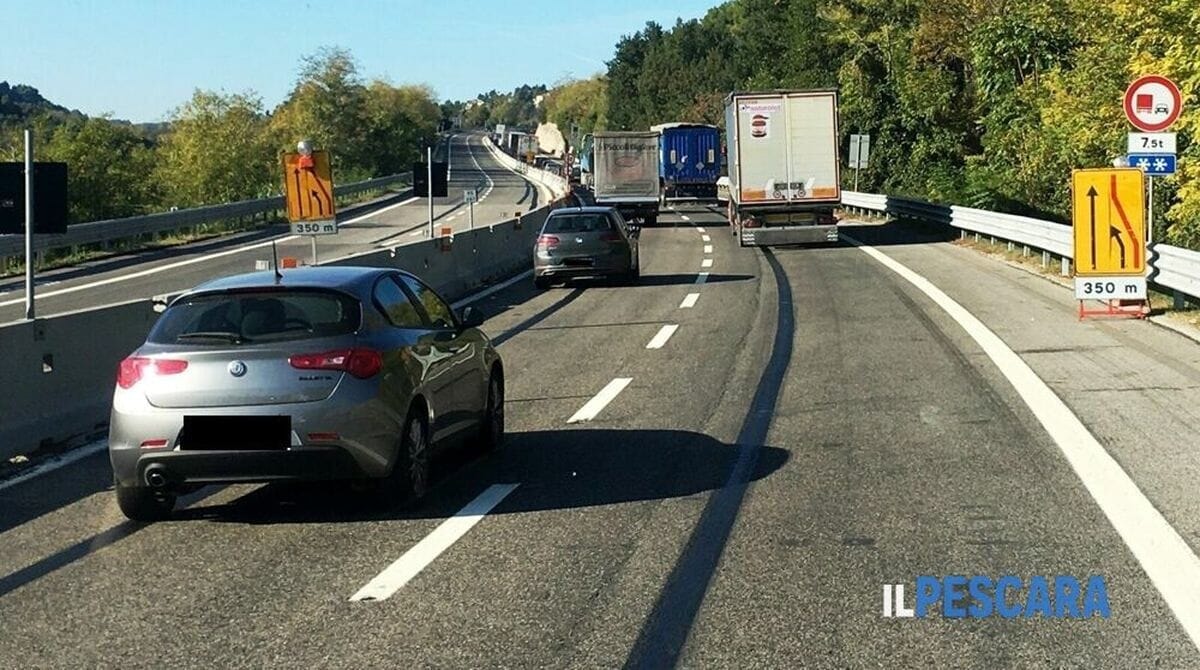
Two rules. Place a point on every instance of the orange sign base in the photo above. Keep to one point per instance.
(1124, 309)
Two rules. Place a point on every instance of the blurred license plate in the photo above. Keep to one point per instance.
(236, 432)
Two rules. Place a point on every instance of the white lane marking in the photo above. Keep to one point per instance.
(416, 559)
(363, 217)
(417, 232)
(684, 217)
(1166, 558)
(191, 261)
(702, 277)
(664, 334)
(491, 289)
(706, 263)
(700, 230)
(56, 463)
(706, 238)
(708, 248)
(593, 407)
(689, 301)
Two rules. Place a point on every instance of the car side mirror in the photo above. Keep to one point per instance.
(471, 318)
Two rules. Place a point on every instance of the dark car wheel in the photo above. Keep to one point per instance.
(541, 283)
(409, 479)
(493, 416)
(139, 503)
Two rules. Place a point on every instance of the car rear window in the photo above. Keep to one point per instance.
(246, 317)
(578, 223)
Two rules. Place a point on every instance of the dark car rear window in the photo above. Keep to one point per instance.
(247, 317)
(578, 223)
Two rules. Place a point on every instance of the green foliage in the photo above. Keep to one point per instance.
(519, 109)
(990, 103)
(217, 151)
(220, 147)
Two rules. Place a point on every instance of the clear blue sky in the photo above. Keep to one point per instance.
(138, 59)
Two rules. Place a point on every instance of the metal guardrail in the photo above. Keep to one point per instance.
(1171, 267)
(97, 232)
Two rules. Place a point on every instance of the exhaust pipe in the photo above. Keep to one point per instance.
(156, 476)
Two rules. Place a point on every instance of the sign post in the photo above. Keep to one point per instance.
(429, 176)
(1109, 231)
(29, 259)
(1152, 104)
(469, 197)
(308, 192)
(860, 154)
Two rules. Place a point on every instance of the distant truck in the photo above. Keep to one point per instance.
(784, 167)
(689, 160)
(625, 173)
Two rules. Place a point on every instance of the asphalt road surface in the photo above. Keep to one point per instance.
(719, 467)
(399, 219)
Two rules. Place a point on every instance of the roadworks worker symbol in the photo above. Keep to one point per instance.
(1108, 215)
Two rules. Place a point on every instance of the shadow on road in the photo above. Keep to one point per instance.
(556, 470)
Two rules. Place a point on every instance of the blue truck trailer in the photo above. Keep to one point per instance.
(689, 160)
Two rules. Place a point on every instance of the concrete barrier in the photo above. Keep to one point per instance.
(59, 372)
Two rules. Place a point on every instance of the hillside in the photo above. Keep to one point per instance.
(19, 102)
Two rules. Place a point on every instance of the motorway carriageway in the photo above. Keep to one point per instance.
(502, 194)
(719, 467)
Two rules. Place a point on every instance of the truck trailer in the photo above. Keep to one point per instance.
(689, 160)
(625, 173)
(784, 167)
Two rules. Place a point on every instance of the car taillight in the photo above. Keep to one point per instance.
(362, 363)
(751, 222)
(611, 236)
(547, 241)
(132, 369)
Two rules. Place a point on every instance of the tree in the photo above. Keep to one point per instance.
(217, 150)
(109, 168)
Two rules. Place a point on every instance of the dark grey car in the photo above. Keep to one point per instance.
(585, 242)
(325, 373)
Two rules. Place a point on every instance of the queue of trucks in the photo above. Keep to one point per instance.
(778, 175)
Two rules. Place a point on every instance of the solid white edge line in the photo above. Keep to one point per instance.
(416, 559)
(706, 263)
(660, 338)
(598, 402)
(364, 217)
(705, 238)
(1165, 557)
(702, 278)
(689, 301)
(490, 290)
(66, 459)
(708, 248)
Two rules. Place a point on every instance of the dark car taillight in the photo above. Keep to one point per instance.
(611, 236)
(133, 368)
(362, 363)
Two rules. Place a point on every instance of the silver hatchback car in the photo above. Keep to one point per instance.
(585, 242)
(320, 373)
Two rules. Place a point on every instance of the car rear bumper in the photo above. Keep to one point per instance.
(225, 467)
(773, 235)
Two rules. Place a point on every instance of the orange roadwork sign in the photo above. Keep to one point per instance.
(1108, 216)
(308, 191)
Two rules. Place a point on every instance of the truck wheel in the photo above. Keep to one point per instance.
(651, 219)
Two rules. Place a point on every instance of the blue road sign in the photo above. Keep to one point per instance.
(1155, 165)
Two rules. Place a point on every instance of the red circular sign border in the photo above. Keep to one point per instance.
(1153, 79)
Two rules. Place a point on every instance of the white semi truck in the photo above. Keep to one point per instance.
(784, 166)
(625, 173)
